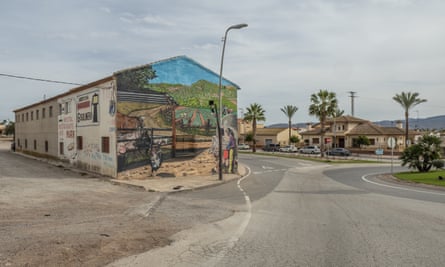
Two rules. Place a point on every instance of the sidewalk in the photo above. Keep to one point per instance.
(175, 184)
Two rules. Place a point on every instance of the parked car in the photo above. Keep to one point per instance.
(289, 149)
(271, 147)
(243, 147)
(339, 151)
(310, 150)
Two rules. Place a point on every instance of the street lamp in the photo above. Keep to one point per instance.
(220, 153)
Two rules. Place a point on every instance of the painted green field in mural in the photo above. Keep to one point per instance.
(198, 94)
(128, 107)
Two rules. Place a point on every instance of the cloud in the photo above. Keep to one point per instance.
(290, 50)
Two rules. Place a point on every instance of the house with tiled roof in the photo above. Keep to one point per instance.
(344, 131)
(280, 136)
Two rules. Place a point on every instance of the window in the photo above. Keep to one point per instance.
(60, 109)
(37, 114)
(43, 113)
(32, 115)
(61, 152)
(67, 107)
(26, 143)
(105, 144)
(79, 143)
(23, 117)
(50, 111)
(27, 116)
(46, 146)
(35, 144)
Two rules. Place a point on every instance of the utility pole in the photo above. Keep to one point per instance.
(352, 96)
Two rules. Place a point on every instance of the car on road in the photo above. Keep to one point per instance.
(310, 150)
(243, 147)
(271, 147)
(289, 149)
(339, 151)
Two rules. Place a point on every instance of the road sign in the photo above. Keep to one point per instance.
(391, 142)
(379, 151)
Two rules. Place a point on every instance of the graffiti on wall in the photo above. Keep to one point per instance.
(167, 98)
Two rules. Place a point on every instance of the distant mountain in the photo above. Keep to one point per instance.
(431, 123)
(437, 123)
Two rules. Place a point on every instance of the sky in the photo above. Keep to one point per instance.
(290, 50)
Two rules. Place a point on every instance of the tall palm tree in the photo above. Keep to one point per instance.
(323, 105)
(407, 101)
(255, 112)
(289, 111)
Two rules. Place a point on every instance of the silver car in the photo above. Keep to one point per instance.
(310, 150)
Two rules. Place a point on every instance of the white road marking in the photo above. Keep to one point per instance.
(397, 187)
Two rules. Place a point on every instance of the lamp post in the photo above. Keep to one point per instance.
(219, 118)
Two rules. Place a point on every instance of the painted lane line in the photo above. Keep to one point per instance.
(236, 236)
(397, 187)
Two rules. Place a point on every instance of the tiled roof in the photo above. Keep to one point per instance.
(342, 119)
(346, 119)
(373, 129)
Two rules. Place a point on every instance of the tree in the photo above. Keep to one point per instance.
(255, 112)
(422, 155)
(362, 140)
(323, 105)
(294, 139)
(408, 101)
(289, 111)
(10, 128)
(249, 137)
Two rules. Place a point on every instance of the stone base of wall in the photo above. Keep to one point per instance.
(202, 165)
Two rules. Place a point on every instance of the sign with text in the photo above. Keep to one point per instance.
(88, 109)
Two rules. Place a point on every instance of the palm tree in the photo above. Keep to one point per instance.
(407, 101)
(289, 111)
(254, 113)
(323, 105)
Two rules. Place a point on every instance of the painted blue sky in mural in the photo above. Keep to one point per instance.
(184, 70)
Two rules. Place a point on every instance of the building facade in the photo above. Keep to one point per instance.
(344, 132)
(129, 119)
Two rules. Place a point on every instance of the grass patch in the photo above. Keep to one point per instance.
(430, 177)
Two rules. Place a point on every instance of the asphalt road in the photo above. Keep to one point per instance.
(299, 213)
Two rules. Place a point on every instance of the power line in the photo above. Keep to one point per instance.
(36, 79)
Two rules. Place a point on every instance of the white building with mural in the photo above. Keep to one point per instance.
(123, 121)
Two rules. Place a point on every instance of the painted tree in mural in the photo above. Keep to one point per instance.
(255, 112)
(408, 101)
(324, 104)
(136, 79)
(289, 111)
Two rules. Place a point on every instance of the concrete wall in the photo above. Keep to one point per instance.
(36, 125)
(94, 127)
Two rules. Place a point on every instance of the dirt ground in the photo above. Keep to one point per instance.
(51, 216)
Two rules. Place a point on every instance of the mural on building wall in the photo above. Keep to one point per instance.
(156, 100)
